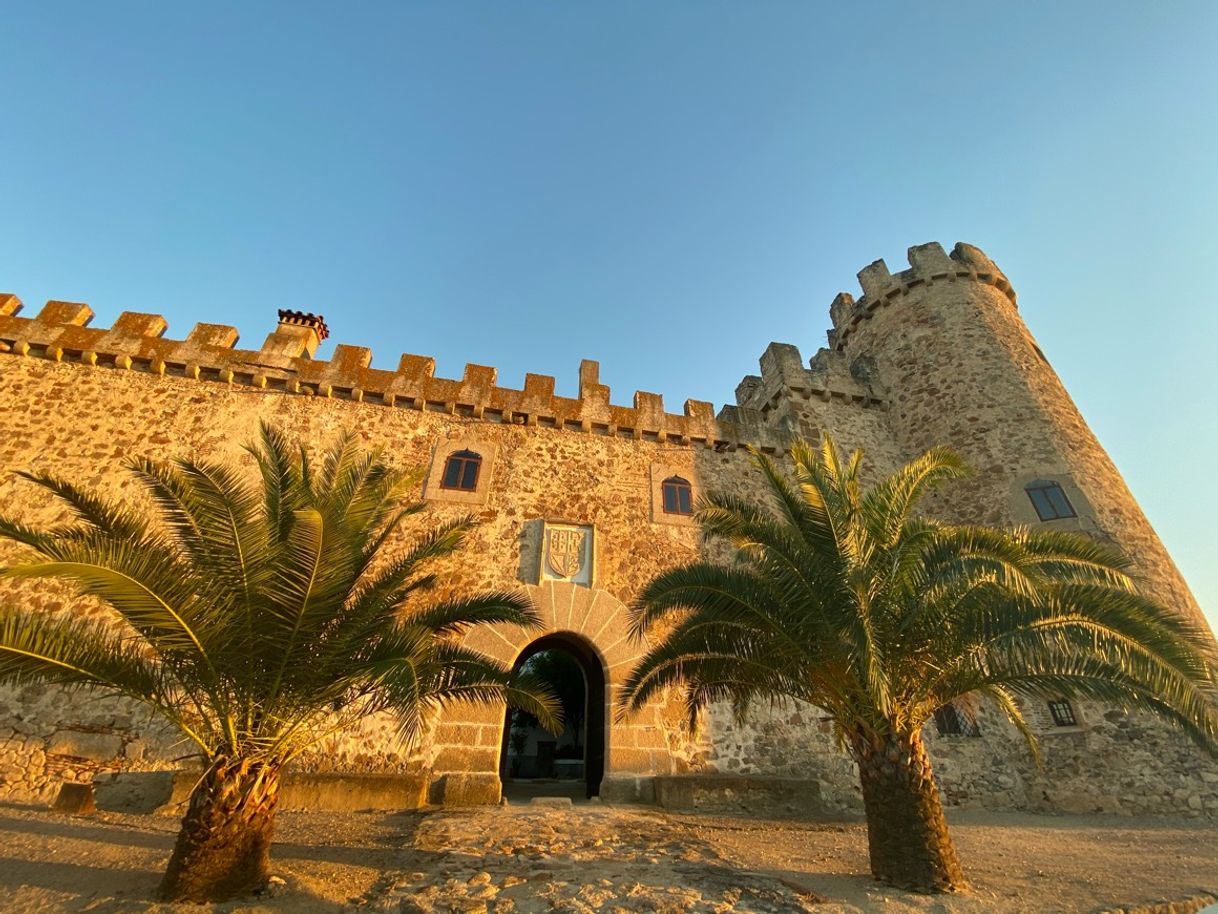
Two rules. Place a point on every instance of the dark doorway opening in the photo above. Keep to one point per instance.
(534, 762)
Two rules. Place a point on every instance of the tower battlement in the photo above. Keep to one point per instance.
(928, 264)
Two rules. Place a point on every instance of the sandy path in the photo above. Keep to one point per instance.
(521, 860)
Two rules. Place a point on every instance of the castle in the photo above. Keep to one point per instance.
(581, 501)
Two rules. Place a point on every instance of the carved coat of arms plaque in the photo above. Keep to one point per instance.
(567, 553)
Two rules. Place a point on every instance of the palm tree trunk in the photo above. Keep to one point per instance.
(224, 846)
(906, 831)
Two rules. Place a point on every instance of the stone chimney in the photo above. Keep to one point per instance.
(299, 334)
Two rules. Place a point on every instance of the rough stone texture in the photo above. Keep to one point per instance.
(734, 793)
(166, 792)
(93, 747)
(530, 860)
(75, 799)
(936, 354)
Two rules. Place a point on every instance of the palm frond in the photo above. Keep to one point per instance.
(454, 617)
(107, 516)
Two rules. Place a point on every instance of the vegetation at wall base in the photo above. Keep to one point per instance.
(258, 618)
(842, 596)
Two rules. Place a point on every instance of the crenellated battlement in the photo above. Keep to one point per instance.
(826, 377)
(928, 264)
(284, 364)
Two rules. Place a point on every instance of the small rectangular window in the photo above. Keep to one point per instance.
(1049, 500)
(947, 721)
(461, 471)
(1063, 713)
(677, 496)
(951, 721)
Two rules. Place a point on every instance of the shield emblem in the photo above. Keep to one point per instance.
(565, 551)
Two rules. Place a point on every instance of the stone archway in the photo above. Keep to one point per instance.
(594, 725)
(468, 743)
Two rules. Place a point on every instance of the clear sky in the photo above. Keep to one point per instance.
(663, 186)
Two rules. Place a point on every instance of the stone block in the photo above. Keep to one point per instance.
(875, 279)
(736, 792)
(930, 258)
(143, 792)
(630, 760)
(840, 308)
(628, 789)
(96, 747)
(221, 336)
(464, 758)
(340, 792)
(73, 314)
(75, 799)
(467, 790)
(457, 735)
(10, 305)
(166, 792)
(134, 323)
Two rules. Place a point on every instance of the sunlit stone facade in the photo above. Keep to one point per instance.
(572, 496)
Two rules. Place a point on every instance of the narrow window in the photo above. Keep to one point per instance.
(1049, 500)
(1063, 713)
(461, 471)
(948, 721)
(678, 496)
(951, 721)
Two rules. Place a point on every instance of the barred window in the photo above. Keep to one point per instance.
(678, 496)
(951, 721)
(461, 471)
(1063, 713)
(1049, 500)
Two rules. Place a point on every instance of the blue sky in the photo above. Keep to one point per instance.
(663, 186)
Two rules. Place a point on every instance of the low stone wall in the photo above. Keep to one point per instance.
(738, 794)
(48, 736)
(1113, 763)
(166, 792)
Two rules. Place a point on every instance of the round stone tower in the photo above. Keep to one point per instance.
(944, 344)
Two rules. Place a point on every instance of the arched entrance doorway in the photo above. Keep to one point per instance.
(534, 762)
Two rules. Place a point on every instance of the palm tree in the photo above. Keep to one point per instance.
(841, 596)
(259, 619)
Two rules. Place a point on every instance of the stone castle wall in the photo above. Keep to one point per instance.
(934, 355)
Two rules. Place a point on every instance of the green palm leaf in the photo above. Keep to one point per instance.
(841, 596)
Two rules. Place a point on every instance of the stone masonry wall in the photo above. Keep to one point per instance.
(81, 420)
(943, 346)
(936, 354)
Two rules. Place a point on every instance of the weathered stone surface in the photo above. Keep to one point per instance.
(756, 795)
(96, 747)
(457, 789)
(144, 791)
(351, 792)
(935, 354)
(75, 799)
(166, 792)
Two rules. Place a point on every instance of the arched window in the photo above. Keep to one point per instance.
(461, 471)
(1049, 500)
(678, 496)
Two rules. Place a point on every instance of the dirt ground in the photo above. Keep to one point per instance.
(620, 860)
